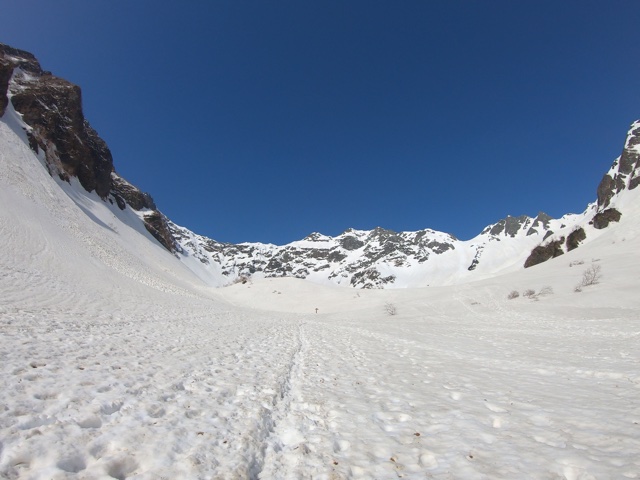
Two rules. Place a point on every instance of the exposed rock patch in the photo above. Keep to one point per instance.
(625, 172)
(574, 239)
(52, 108)
(543, 253)
(602, 219)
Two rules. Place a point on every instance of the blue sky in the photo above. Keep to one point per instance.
(266, 121)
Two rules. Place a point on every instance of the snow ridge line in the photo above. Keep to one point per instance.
(281, 402)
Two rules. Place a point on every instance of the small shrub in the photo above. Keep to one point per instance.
(513, 294)
(243, 279)
(529, 293)
(591, 276)
(576, 262)
(547, 290)
(390, 308)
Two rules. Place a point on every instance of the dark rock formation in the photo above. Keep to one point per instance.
(574, 238)
(511, 226)
(625, 172)
(130, 194)
(156, 225)
(52, 108)
(350, 242)
(602, 219)
(10, 59)
(540, 223)
(542, 253)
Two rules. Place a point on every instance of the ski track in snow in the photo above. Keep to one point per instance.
(117, 365)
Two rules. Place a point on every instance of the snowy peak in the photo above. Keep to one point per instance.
(52, 108)
(378, 258)
(522, 225)
(624, 174)
(51, 111)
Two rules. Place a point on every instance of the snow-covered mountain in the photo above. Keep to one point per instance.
(382, 258)
(50, 112)
(116, 361)
(377, 258)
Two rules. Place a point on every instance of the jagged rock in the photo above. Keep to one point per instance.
(607, 188)
(439, 247)
(52, 107)
(625, 172)
(10, 59)
(510, 225)
(370, 278)
(6, 69)
(540, 223)
(602, 219)
(349, 242)
(156, 225)
(574, 238)
(543, 253)
(357, 258)
(130, 194)
(316, 237)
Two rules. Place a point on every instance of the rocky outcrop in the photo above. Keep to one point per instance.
(542, 253)
(124, 192)
(602, 219)
(364, 258)
(623, 175)
(513, 226)
(625, 171)
(509, 226)
(10, 59)
(541, 224)
(355, 257)
(574, 238)
(157, 225)
(52, 109)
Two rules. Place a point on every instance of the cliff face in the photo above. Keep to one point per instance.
(624, 175)
(52, 109)
(625, 171)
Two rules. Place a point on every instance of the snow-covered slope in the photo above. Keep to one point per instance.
(117, 362)
(50, 114)
(381, 258)
(385, 259)
(378, 258)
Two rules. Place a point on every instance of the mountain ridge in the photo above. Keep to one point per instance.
(51, 109)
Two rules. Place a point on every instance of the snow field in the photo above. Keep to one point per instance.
(116, 362)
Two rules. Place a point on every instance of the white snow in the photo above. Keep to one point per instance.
(117, 362)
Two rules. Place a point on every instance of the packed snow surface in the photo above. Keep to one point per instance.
(117, 362)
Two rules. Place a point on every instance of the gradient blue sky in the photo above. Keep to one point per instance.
(269, 120)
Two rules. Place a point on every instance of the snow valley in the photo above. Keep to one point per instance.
(119, 359)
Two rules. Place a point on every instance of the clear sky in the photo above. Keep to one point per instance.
(269, 120)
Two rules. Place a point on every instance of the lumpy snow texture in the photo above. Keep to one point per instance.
(117, 362)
